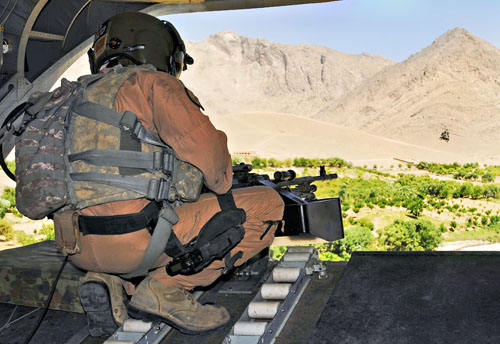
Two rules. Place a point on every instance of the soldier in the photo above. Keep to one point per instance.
(139, 59)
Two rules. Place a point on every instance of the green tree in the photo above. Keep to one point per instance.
(414, 235)
(6, 229)
(357, 238)
(9, 194)
(259, 162)
(415, 205)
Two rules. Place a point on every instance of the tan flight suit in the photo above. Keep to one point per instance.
(163, 105)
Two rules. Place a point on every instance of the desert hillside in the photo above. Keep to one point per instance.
(234, 74)
(283, 136)
(454, 83)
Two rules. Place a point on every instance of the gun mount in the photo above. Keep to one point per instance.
(304, 213)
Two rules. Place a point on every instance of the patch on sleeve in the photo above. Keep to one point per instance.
(193, 98)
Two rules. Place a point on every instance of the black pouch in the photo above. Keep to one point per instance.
(217, 237)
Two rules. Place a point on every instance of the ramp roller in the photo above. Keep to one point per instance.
(286, 274)
(250, 328)
(275, 291)
(262, 309)
(296, 257)
(133, 325)
(285, 286)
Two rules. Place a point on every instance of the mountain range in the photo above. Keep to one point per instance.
(285, 100)
(453, 84)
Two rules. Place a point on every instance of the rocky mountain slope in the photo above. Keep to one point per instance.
(454, 83)
(234, 74)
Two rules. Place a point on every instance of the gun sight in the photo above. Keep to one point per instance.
(284, 175)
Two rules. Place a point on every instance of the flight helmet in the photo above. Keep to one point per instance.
(135, 38)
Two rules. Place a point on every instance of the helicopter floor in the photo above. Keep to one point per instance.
(378, 297)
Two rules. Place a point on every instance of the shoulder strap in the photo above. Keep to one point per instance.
(127, 121)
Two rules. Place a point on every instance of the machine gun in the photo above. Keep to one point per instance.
(304, 213)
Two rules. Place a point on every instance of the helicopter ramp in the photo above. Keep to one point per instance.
(414, 297)
(378, 297)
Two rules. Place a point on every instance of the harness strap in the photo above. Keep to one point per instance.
(153, 189)
(119, 224)
(161, 234)
(226, 201)
(158, 161)
(127, 121)
(174, 247)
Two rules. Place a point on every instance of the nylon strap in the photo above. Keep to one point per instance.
(119, 224)
(128, 143)
(153, 189)
(127, 121)
(166, 219)
(226, 201)
(121, 158)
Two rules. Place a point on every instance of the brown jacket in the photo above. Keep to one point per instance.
(163, 104)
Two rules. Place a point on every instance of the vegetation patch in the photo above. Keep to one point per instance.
(408, 212)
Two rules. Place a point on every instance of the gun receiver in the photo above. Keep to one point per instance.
(304, 213)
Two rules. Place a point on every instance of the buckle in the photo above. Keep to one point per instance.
(129, 121)
(163, 161)
(158, 189)
(138, 131)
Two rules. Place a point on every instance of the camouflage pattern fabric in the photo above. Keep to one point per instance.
(27, 274)
(88, 134)
(187, 181)
(40, 178)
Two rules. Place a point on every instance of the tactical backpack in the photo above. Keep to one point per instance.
(74, 151)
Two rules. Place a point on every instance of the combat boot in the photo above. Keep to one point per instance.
(102, 299)
(153, 300)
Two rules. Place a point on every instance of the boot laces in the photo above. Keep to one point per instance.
(189, 296)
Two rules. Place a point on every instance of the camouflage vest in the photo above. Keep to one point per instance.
(78, 152)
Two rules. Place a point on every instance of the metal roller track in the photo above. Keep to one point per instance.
(139, 332)
(303, 258)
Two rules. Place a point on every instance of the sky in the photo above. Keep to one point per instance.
(391, 28)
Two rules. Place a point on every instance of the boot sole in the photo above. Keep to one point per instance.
(146, 316)
(96, 303)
